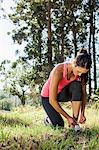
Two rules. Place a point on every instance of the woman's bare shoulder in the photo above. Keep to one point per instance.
(59, 68)
(57, 72)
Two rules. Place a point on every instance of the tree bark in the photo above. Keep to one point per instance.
(62, 41)
(74, 34)
(62, 34)
(90, 89)
(49, 37)
(40, 45)
(94, 53)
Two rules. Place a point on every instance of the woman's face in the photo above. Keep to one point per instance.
(77, 70)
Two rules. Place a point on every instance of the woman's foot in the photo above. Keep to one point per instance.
(47, 121)
(75, 127)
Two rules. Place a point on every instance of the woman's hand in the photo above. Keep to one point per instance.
(82, 119)
(71, 122)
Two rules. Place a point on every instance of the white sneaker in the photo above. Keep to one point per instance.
(47, 121)
(77, 127)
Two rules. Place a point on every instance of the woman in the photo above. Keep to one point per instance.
(67, 82)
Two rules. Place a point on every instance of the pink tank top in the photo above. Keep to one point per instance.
(61, 85)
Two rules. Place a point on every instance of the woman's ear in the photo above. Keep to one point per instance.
(78, 53)
(74, 62)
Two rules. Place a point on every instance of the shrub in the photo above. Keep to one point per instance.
(5, 104)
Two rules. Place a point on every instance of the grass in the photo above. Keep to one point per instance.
(23, 129)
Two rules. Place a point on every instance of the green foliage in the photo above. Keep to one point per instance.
(31, 21)
(70, 23)
(95, 98)
(22, 80)
(16, 81)
(2, 96)
(97, 91)
(5, 104)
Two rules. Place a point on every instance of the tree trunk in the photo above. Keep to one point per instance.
(90, 68)
(94, 53)
(62, 44)
(23, 98)
(49, 37)
(75, 42)
(92, 33)
(40, 45)
(62, 37)
(90, 41)
(74, 34)
(40, 40)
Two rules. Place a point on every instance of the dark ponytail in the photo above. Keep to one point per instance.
(83, 59)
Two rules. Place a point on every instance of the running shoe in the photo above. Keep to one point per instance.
(47, 121)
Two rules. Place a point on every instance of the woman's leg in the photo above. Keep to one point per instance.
(53, 115)
(75, 90)
(76, 109)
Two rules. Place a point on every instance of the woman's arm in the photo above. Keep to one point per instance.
(56, 77)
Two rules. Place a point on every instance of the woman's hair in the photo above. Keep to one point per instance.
(83, 59)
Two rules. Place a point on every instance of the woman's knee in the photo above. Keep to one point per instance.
(75, 84)
(76, 91)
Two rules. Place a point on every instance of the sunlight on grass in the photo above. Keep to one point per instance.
(24, 127)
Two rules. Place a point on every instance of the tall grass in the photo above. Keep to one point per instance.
(23, 129)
